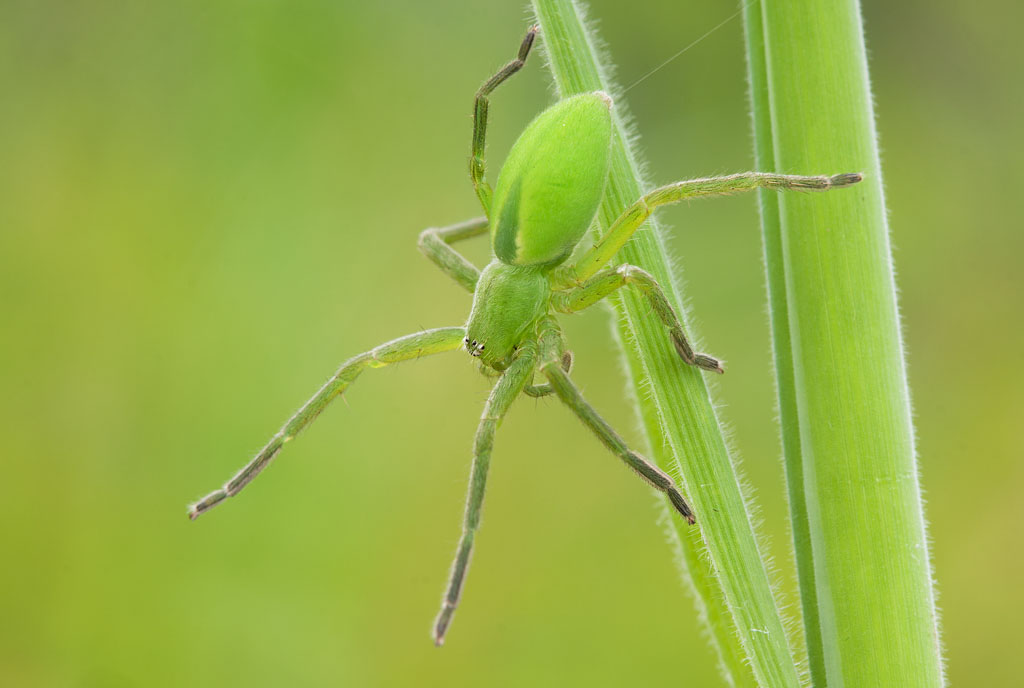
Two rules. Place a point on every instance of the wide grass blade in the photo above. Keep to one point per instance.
(862, 550)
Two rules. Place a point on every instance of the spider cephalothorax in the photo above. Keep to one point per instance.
(545, 199)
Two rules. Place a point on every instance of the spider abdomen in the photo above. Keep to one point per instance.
(549, 188)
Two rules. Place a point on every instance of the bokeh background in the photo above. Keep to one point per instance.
(205, 206)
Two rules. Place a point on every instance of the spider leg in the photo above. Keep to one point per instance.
(544, 389)
(505, 391)
(600, 286)
(436, 245)
(476, 162)
(569, 394)
(635, 215)
(402, 349)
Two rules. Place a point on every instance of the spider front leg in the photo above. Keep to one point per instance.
(571, 397)
(436, 245)
(480, 103)
(635, 215)
(512, 382)
(402, 349)
(597, 288)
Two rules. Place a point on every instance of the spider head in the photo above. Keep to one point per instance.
(507, 301)
(474, 347)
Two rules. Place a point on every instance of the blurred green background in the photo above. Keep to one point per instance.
(205, 206)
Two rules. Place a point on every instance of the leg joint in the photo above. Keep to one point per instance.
(476, 167)
(426, 237)
(631, 273)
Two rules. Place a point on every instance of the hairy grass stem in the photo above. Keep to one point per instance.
(858, 525)
(725, 566)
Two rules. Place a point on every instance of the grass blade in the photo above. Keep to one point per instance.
(686, 438)
(865, 524)
(782, 350)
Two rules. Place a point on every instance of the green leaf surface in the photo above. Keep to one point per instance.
(868, 598)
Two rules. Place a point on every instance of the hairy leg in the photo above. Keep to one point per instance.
(403, 349)
(551, 344)
(635, 215)
(436, 245)
(544, 389)
(600, 286)
(476, 162)
(504, 393)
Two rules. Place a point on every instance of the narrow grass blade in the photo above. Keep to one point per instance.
(782, 351)
(732, 582)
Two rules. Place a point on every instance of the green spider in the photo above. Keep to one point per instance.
(545, 199)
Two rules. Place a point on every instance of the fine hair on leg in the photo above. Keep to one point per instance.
(402, 349)
(435, 244)
(502, 395)
(634, 216)
(550, 365)
(604, 283)
(480, 104)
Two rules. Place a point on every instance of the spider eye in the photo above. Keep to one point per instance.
(482, 347)
(466, 340)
